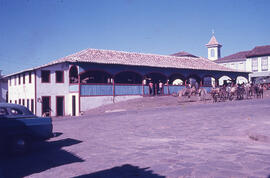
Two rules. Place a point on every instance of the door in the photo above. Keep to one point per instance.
(73, 105)
(46, 106)
(60, 106)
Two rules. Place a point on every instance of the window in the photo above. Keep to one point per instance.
(9, 81)
(32, 105)
(254, 64)
(20, 101)
(212, 53)
(30, 77)
(19, 76)
(23, 103)
(23, 78)
(15, 101)
(15, 78)
(27, 103)
(45, 76)
(264, 63)
(59, 76)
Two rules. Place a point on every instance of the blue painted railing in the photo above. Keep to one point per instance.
(122, 89)
(96, 90)
(165, 90)
(175, 88)
(128, 90)
(208, 89)
(146, 90)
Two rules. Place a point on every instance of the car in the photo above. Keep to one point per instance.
(19, 127)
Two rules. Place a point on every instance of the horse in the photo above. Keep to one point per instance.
(233, 92)
(259, 91)
(202, 93)
(248, 90)
(215, 93)
(192, 92)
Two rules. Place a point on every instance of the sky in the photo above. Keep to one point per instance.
(36, 32)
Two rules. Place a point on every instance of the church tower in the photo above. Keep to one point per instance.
(213, 49)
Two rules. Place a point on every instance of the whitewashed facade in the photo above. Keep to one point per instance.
(28, 89)
(258, 65)
(3, 88)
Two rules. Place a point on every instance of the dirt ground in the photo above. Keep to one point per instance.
(154, 140)
(154, 137)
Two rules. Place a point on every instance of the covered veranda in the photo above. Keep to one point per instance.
(100, 76)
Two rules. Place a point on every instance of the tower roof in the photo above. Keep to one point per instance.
(213, 42)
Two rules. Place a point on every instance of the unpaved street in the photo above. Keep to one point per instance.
(230, 139)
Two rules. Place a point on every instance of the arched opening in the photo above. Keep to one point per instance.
(73, 75)
(208, 81)
(194, 80)
(156, 77)
(128, 77)
(225, 80)
(176, 79)
(156, 82)
(95, 76)
(241, 80)
(178, 82)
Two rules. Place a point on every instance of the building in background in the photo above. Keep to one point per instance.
(3, 88)
(213, 47)
(255, 61)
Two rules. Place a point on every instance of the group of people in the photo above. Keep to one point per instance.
(156, 88)
(237, 91)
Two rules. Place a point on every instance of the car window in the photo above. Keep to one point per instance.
(3, 111)
(15, 111)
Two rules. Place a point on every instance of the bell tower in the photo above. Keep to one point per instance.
(213, 48)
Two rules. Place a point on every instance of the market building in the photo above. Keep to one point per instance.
(94, 77)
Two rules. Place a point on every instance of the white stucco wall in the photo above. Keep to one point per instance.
(94, 102)
(238, 65)
(216, 53)
(260, 72)
(53, 89)
(69, 112)
(23, 91)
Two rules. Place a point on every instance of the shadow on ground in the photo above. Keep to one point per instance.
(125, 171)
(42, 156)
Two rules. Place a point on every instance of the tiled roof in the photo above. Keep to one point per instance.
(213, 42)
(140, 59)
(234, 57)
(259, 51)
(183, 54)
(100, 56)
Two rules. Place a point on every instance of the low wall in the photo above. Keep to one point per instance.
(90, 102)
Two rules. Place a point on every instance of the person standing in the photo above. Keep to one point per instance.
(160, 87)
(151, 88)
